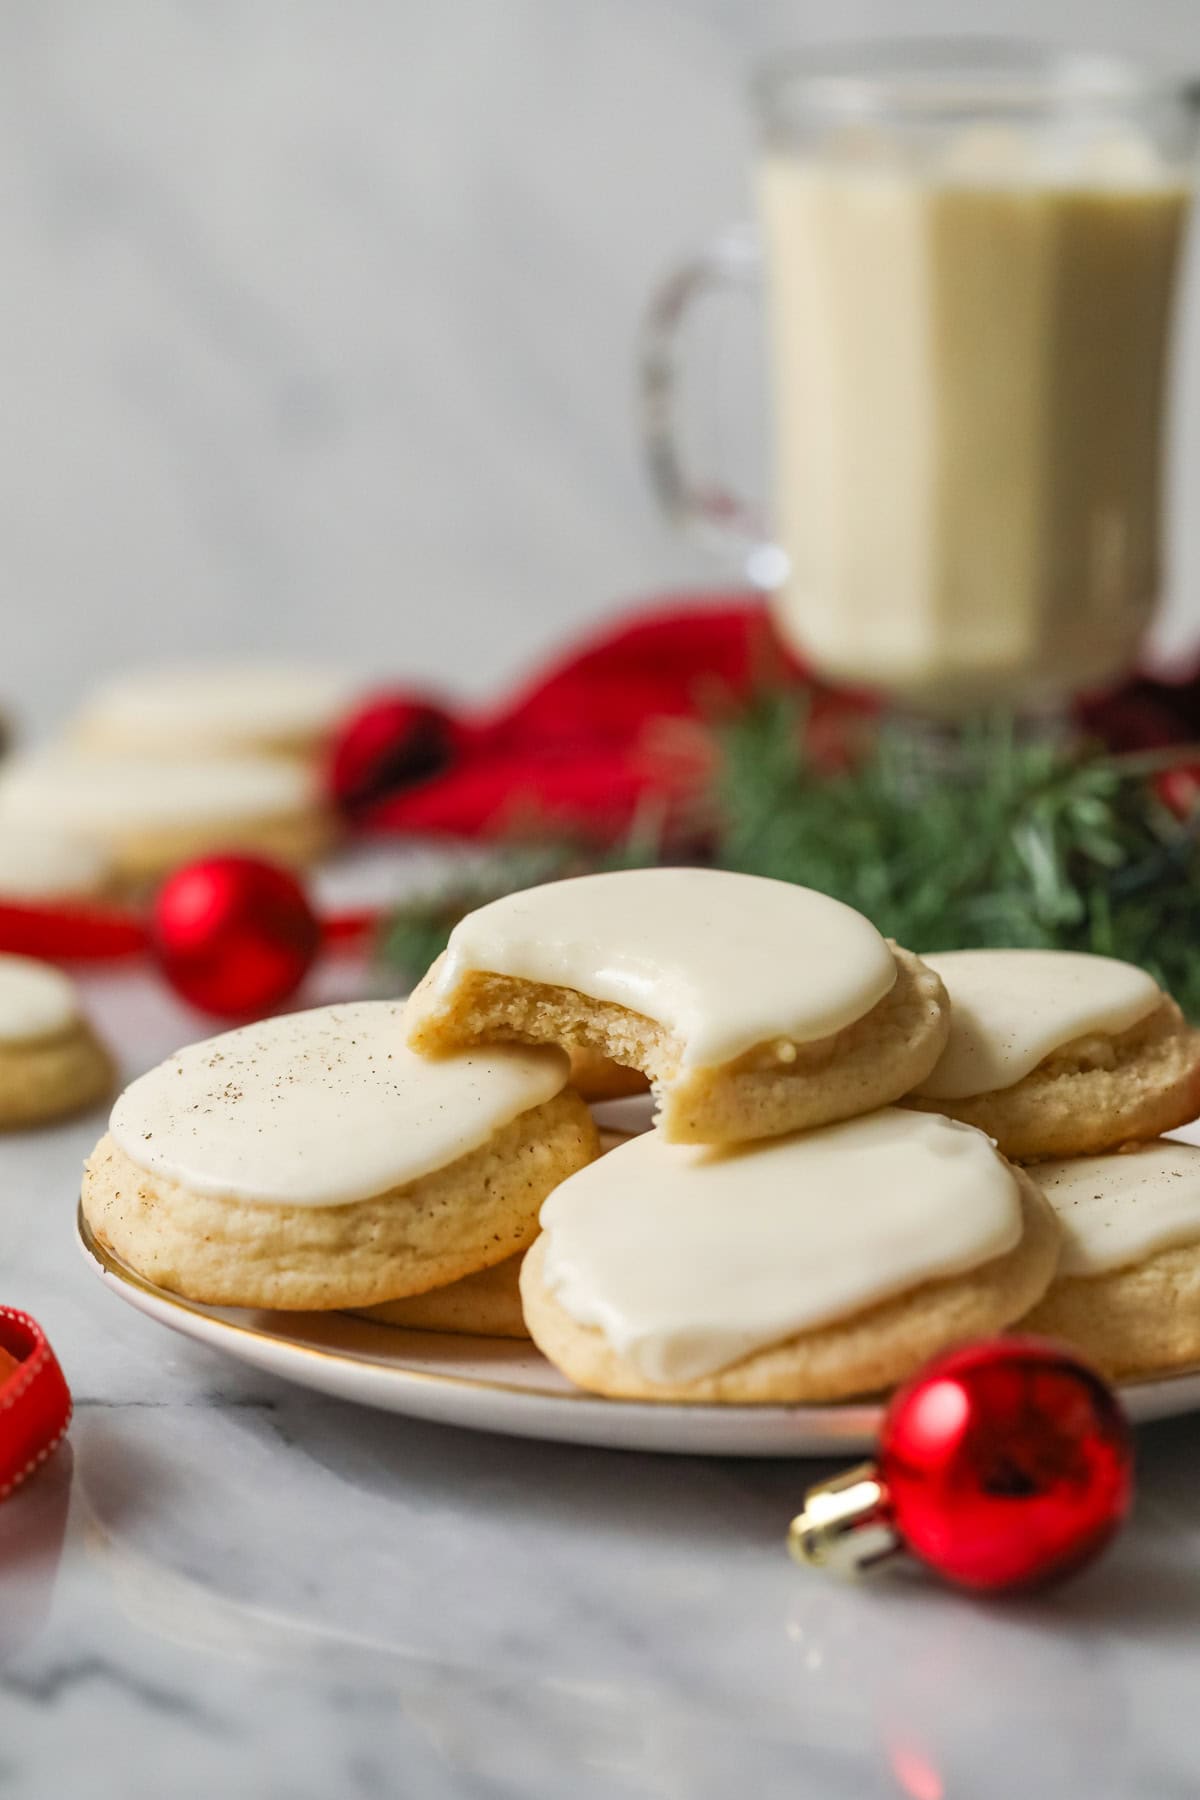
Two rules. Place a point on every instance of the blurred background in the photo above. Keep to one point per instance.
(320, 317)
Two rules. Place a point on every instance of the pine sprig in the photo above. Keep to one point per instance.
(1010, 843)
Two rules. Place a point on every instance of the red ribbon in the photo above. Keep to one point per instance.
(35, 1401)
(111, 934)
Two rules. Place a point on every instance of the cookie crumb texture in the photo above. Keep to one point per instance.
(776, 1088)
(470, 1215)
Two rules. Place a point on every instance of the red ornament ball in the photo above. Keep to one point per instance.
(1008, 1463)
(234, 935)
(392, 742)
(1179, 789)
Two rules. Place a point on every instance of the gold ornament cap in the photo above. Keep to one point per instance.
(846, 1525)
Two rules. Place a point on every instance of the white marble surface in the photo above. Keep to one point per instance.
(225, 1585)
(318, 321)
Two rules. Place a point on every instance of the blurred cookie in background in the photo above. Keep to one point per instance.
(51, 1061)
(42, 866)
(217, 710)
(146, 813)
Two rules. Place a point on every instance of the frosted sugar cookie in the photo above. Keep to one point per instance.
(217, 710)
(1127, 1291)
(754, 1007)
(148, 813)
(484, 1305)
(51, 1061)
(313, 1161)
(1053, 1053)
(811, 1268)
(42, 866)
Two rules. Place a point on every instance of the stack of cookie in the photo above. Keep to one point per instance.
(164, 765)
(51, 1061)
(831, 1192)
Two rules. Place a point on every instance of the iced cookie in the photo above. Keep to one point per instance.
(217, 711)
(313, 1161)
(1053, 1053)
(754, 1007)
(51, 1061)
(484, 1305)
(1127, 1291)
(41, 866)
(147, 813)
(812, 1268)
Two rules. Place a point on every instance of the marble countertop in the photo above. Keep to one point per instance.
(224, 1585)
(322, 312)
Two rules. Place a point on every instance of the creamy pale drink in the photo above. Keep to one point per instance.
(968, 375)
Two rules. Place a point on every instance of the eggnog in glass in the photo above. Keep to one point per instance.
(970, 257)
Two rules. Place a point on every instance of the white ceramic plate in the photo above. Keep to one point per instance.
(494, 1384)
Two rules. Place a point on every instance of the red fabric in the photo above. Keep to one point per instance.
(595, 739)
(612, 731)
(592, 789)
(580, 747)
(35, 1402)
(680, 659)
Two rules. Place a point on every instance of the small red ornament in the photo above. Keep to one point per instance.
(1003, 1465)
(392, 742)
(1179, 789)
(234, 935)
(35, 1402)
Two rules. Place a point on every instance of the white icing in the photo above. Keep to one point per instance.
(209, 708)
(322, 1108)
(1009, 1009)
(96, 794)
(687, 1259)
(36, 1001)
(726, 962)
(38, 863)
(1118, 1210)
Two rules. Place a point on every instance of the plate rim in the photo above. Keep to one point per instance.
(846, 1421)
(119, 1271)
(844, 1418)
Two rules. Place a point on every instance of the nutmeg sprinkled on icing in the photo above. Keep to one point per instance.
(1118, 1210)
(323, 1108)
(726, 962)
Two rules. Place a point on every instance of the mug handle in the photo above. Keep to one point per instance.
(710, 510)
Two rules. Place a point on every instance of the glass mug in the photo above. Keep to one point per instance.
(969, 256)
